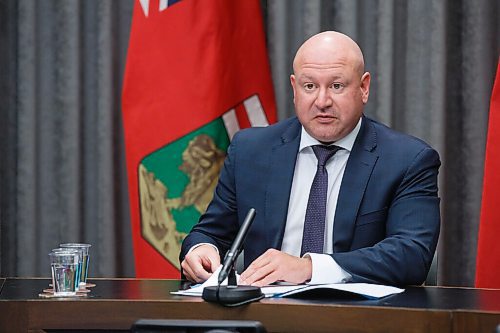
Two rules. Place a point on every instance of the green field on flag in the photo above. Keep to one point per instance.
(165, 162)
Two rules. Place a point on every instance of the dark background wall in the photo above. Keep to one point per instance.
(62, 171)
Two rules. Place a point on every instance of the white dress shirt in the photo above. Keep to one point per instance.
(324, 268)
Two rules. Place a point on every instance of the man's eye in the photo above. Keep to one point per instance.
(309, 86)
(337, 86)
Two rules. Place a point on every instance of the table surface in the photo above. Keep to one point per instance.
(437, 298)
(456, 309)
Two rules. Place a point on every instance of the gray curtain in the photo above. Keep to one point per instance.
(62, 172)
(433, 63)
(62, 169)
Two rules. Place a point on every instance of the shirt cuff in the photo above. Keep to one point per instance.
(200, 244)
(326, 270)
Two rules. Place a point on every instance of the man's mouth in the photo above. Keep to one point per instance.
(325, 118)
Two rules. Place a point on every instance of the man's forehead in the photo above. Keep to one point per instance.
(314, 72)
(334, 69)
(329, 48)
(323, 63)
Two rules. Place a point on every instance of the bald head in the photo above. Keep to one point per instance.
(330, 87)
(327, 47)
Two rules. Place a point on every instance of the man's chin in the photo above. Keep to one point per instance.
(325, 135)
(325, 139)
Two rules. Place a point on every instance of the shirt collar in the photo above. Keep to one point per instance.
(346, 142)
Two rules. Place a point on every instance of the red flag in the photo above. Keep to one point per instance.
(488, 249)
(196, 72)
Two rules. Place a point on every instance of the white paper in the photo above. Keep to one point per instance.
(364, 289)
(197, 290)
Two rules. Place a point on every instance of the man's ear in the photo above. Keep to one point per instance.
(292, 82)
(365, 87)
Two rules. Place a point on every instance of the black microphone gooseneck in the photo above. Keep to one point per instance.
(232, 294)
(236, 247)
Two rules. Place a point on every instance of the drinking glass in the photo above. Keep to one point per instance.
(80, 261)
(64, 268)
(84, 248)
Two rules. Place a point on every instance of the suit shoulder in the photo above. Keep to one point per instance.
(387, 135)
(400, 147)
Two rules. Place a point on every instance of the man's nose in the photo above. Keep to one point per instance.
(323, 100)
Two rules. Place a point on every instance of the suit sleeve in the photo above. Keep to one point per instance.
(404, 256)
(219, 224)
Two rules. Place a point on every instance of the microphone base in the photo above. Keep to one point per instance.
(231, 294)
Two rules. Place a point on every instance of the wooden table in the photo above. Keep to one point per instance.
(114, 304)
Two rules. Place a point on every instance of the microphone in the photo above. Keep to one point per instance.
(236, 247)
(232, 294)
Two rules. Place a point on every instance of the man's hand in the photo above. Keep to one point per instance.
(200, 263)
(274, 266)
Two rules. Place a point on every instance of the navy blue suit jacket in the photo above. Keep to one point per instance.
(387, 217)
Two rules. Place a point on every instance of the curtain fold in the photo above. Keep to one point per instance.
(62, 170)
(66, 144)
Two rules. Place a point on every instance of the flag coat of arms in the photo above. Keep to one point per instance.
(197, 71)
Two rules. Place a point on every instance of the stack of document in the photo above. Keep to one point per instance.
(366, 290)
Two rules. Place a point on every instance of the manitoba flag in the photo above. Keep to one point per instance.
(197, 72)
(488, 249)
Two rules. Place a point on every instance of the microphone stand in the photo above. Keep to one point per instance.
(232, 294)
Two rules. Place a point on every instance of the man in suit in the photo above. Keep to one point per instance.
(380, 218)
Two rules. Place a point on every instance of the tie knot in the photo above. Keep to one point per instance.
(323, 153)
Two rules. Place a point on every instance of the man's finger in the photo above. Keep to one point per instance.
(211, 263)
(256, 265)
(256, 273)
(188, 272)
(195, 269)
(266, 280)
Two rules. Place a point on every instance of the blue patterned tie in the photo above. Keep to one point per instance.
(314, 223)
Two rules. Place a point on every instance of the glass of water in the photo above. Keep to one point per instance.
(64, 267)
(84, 263)
(80, 258)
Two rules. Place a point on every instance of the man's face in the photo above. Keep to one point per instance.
(329, 97)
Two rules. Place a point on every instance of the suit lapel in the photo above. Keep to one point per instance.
(282, 166)
(358, 170)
